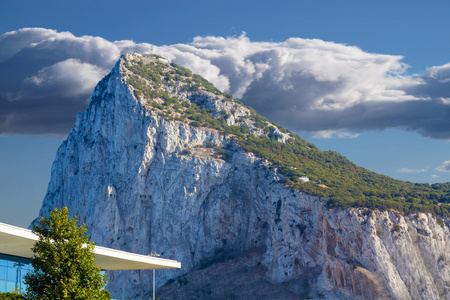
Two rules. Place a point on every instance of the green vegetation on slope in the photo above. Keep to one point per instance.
(347, 185)
(331, 175)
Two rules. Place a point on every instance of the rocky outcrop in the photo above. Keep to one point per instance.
(144, 184)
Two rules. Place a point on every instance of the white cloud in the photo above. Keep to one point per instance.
(445, 167)
(310, 85)
(47, 77)
(327, 134)
(434, 176)
(339, 76)
(407, 170)
(14, 41)
(317, 86)
(69, 78)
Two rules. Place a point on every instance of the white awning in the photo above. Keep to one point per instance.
(18, 241)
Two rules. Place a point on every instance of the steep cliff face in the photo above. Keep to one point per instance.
(146, 182)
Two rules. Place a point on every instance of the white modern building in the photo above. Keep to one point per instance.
(15, 252)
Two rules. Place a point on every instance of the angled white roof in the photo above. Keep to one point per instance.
(18, 241)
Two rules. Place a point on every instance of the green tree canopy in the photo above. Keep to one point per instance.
(11, 296)
(63, 261)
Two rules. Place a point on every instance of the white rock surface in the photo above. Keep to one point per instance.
(122, 172)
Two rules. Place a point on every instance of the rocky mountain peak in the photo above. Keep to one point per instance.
(177, 94)
(161, 161)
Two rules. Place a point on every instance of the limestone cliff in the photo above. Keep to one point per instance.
(144, 179)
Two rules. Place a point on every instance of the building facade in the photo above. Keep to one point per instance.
(15, 254)
(12, 272)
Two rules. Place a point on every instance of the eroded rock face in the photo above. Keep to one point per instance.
(144, 184)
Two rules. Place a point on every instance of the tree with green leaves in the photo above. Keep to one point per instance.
(11, 296)
(63, 261)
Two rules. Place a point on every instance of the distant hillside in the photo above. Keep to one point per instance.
(158, 84)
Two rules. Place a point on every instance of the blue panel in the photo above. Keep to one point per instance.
(2, 262)
(24, 272)
(9, 270)
(2, 286)
(11, 274)
(2, 273)
(10, 286)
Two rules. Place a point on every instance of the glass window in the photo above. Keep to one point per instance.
(9, 271)
(2, 262)
(2, 273)
(11, 274)
(10, 286)
(24, 272)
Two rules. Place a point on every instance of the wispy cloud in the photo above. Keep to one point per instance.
(327, 134)
(328, 89)
(408, 170)
(445, 167)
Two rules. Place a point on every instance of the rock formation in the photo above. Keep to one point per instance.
(144, 181)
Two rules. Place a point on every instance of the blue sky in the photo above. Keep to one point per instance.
(367, 79)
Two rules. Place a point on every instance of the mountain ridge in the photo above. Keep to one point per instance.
(258, 135)
(145, 182)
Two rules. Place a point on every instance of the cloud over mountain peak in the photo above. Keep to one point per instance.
(304, 84)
